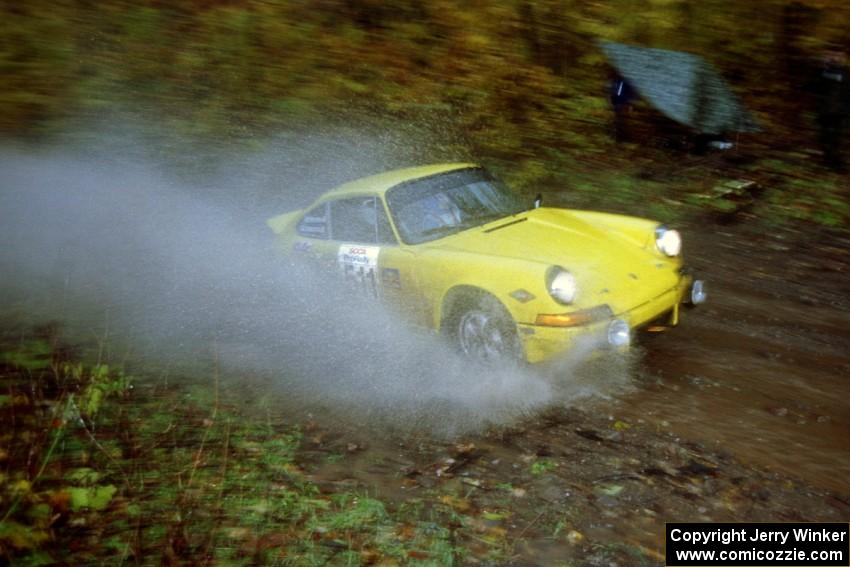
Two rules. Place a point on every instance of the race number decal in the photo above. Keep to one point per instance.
(359, 265)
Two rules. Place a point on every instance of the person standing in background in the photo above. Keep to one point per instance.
(831, 87)
(621, 94)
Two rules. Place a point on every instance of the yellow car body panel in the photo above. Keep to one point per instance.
(613, 258)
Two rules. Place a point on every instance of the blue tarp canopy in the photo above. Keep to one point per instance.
(683, 86)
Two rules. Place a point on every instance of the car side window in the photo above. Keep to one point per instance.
(314, 224)
(361, 219)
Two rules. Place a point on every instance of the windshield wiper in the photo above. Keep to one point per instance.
(483, 219)
(442, 229)
(470, 222)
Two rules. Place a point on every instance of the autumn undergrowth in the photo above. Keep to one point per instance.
(752, 185)
(98, 465)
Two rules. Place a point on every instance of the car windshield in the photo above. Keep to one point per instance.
(433, 207)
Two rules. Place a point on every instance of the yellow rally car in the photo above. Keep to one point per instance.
(461, 254)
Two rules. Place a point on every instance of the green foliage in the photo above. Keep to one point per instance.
(184, 473)
(93, 498)
(30, 496)
(542, 466)
(20, 536)
(356, 512)
(31, 355)
(83, 476)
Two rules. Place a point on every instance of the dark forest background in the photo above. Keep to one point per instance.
(520, 84)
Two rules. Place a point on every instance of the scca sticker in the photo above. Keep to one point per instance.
(358, 264)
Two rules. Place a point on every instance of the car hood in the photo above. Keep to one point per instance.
(609, 266)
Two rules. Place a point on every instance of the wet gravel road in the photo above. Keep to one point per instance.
(763, 370)
(740, 414)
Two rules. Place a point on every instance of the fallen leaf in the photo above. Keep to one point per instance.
(369, 556)
(458, 504)
(60, 500)
(575, 537)
(95, 498)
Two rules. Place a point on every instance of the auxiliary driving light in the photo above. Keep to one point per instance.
(698, 293)
(618, 333)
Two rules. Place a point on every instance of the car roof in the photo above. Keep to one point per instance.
(382, 182)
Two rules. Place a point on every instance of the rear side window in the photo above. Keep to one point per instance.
(315, 223)
(361, 219)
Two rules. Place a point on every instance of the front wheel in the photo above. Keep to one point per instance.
(485, 332)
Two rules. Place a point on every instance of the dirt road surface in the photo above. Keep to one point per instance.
(739, 414)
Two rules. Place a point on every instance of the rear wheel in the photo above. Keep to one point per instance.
(484, 331)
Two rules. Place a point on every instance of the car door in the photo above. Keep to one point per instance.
(357, 239)
(366, 253)
(397, 277)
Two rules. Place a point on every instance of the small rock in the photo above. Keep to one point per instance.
(447, 464)
(612, 436)
(661, 468)
(80, 522)
(551, 493)
(608, 501)
(611, 489)
(463, 448)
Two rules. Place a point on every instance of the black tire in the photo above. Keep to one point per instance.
(481, 329)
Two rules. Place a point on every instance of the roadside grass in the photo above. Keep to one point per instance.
(101, 466)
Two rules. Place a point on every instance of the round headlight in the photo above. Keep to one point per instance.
(561, 285)
(669, 242)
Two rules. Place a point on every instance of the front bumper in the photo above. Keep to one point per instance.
(542, 343)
